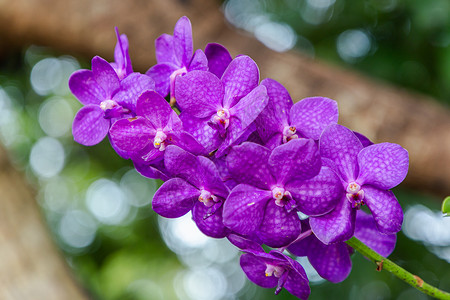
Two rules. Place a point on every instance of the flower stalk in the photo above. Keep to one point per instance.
(388, 265)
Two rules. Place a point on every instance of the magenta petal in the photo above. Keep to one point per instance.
(164, 48)
(318, 195)
(244, 243)
(218, 58)
(132, 87)
(243, 211)
(255, 269)
(279, 227)
(336, 226)
(312, 115)
(297, 282)
(212, 225)
(183, 164)
(207, 136)
(199, 61)
(385, 209)
(341, 146)
(211, 177)
(160, 73)
(383, 165)
(332, 262)
(89, 127)
(155, 171)
(240, 77)
(182, 41)
(297, 160)
(83, 85)
(249, 107)
(275, 115)
(154, 108)
(247, 163)
(199, 93)
(174, 198)
(131, 134)
(105, 75)
(366, 231)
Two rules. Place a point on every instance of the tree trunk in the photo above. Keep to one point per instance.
(31, 267)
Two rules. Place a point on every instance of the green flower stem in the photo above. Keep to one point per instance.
(386, 264)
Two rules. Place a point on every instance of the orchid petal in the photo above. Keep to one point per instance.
(83, 85)
(383, 165)
(385, 209)
(174, 198)
(218, 58)
(243, 211)
(312, 115)
(341, 146)
(89, 127)
(336, 226)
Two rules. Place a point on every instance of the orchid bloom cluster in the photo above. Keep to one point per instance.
(251, 166)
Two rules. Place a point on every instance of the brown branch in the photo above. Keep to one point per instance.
(30, 265)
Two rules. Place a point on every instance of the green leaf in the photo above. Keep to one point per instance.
(446, 206)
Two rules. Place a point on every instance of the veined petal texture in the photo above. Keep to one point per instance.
(336, 226)
(278, 227)
(83, 85)
(312, 115)
(385, 209)
(131, 134)
(155, 109)
(341, 146)
(213, 224)
(239, 79)
(243, 211)
(367, 232)
(160, 73)
(199, 93)
(298, 159)
(164, 48)
(383, 165)
(131, 88)
(89, 127)
(182, 41)
(275, 116)
(175, 198)
(318, 195)
(199, 61)
(105, 75)
(248, 163)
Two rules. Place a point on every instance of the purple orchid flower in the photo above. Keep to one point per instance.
(155, 126)
(106, 99)
(122, 62)
(198, 187)
(282, 121)
(367, 174)
(274, 269)
(220, 112)
(262, 203)
(175, 57)
(333, 262)
(218, 58)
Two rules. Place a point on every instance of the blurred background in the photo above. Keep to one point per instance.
(97, 206)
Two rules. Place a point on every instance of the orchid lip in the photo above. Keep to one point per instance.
(108, 104)
(207, 198)
(159, 140)
(355, 195)
(272, 270)
(289, 133)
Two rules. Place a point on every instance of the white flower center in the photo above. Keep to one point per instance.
(159, 140)
(289, 133)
